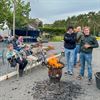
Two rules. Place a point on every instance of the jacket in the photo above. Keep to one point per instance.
(91, 40)
(70, 40)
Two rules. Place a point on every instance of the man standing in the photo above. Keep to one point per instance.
(69, 45)
(79, 36)
(87, 44)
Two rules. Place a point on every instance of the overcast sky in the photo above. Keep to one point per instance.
(50, 10)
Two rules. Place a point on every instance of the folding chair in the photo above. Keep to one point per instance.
(30, 63)
(16, 70)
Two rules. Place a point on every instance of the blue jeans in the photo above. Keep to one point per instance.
(86, 57)
(69, 55)
(76, 52)
(17, 48)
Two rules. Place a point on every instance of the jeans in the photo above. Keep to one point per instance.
(22, 64)
(76, 53)
(17, 48)
(86, 57)
(69, 55)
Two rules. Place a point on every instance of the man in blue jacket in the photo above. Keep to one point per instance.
(69, 45)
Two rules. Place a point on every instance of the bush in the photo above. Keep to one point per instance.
(53, 31)
(56, 38)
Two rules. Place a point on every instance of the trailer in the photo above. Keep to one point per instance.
(28, 35)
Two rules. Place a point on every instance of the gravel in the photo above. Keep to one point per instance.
(64, 90)
(24, 88)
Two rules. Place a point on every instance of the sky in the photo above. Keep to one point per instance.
(50, 10)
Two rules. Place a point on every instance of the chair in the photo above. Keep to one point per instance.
(31, 60)
(16, 70)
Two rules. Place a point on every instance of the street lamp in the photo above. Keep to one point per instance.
(14, 13)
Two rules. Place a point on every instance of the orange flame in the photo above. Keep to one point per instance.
(54, 62)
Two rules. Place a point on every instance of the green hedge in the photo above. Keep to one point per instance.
(53, 31)
(56, 38)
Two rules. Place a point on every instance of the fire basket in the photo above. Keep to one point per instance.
(54, 69)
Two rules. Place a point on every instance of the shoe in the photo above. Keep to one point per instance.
(75, 65)
(20, 73)
(90, 82)
(70, 73)
(66, 73)
(79, 77)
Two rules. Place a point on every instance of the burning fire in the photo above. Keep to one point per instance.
(53, 62)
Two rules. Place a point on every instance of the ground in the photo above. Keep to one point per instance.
(21, 88)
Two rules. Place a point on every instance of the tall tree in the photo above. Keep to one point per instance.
(22, 13)
(5, 11)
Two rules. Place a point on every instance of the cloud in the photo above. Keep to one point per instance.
(46, 9)
(50, 20)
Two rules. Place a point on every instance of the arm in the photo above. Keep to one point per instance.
(66, 38)
(8, 55)
(82, 43)
(17, 54)
(79, 36)
(70, 39)
(23, 54)
(94, 43)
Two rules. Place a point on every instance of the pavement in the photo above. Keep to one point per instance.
(21, 88)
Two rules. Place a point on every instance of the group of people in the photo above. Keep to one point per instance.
(19, 53)
(79, 42)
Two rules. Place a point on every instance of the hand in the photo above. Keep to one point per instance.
(21, 59)
(87, 46)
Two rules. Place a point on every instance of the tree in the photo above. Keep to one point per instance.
(92, 19)
(22, 13)
(5, 11)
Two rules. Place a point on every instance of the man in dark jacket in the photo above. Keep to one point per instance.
(69, 45)
(87, 44)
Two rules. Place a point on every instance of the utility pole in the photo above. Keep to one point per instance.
(14, 13)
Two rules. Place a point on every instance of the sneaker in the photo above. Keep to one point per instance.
(66, 73)
(79, 77)
(75, 66)
(90, 82)
(20, 73)
(70, 73)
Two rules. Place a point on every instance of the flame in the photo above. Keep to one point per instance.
(54, 62)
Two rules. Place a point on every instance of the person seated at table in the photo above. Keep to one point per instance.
(15, 58)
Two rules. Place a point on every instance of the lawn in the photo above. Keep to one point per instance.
(56, 38)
